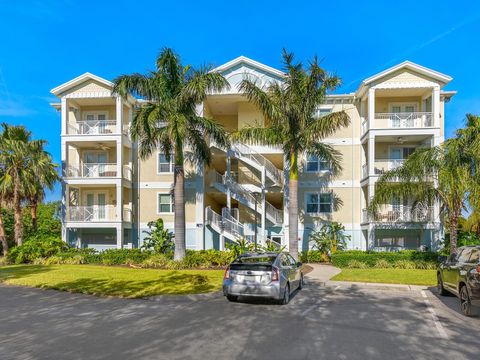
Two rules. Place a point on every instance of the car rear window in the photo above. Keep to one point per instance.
(256, 263)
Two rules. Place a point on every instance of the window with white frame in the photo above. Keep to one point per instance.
(322, 112)
(314, 164)
(165, 203)
(163, 165)
(319, 203)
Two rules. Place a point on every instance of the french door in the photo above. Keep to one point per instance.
(403, 115)
(96, 206)
(94, 163)
(95, 123)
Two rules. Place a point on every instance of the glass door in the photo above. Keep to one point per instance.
(396, 110)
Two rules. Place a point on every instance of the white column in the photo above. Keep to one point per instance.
(371, 108)
(436, 106)
(199, 208)
(120, 232)
(228, 177)
(371, 154)
(64, 112)
(362, 117)
(264, 210)
(119, 114)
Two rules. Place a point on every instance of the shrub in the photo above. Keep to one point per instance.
(156, 261)
(342, 258)
(3, 260)
(36, 247)
(123, 256)
(313, 256)
(382, 264)
(355, 264)
(158, 239)
(405, 264)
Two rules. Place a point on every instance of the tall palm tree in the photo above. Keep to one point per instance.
(290, 110)
(437, 174)
(42, 175)
(24, 162)
(168, 120)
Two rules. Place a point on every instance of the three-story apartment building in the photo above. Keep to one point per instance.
(110, 195)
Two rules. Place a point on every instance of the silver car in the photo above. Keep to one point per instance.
(268, 275)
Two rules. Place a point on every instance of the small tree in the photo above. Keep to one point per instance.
(329, 238)
(159, 239)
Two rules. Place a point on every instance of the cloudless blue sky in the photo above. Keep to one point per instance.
(46, 43)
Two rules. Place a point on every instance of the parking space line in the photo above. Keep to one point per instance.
(306, 311)
(438, 324)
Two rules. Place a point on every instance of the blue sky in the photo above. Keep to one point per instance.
(46, 43)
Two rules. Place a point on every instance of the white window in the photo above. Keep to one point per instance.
(322, 112)
(319, 203)
(165, 203)
(314, 164)
(163, 165)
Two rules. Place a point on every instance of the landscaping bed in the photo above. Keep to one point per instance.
(389, 276)
(112, 280)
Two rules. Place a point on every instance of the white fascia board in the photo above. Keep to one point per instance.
(78, 80)
(253, 63)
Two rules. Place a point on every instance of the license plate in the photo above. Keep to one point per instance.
(249, 277)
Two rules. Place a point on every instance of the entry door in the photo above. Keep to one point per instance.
(96, 206)
(94, 164)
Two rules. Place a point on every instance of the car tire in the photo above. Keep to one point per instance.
(232, 298)
(286, 295)
(465, 302)
(441, 290)
(300, 283)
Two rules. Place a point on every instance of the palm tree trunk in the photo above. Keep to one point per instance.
(17, 209)
(453, 233)
(179, 201)
(3, 239)
(33, 212)
(293, 207)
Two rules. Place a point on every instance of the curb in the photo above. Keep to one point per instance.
(191, 297)
(384, 286)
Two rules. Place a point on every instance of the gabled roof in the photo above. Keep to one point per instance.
(411, 66)
(248, 61)
(78, 80)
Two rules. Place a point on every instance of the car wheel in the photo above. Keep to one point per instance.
(232, 298)
(300, 283)
(440, 288)
(286, 296)
(465, 303)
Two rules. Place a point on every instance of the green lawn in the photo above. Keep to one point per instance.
(113, 281)
(389, 276)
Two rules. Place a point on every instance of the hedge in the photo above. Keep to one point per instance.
(343, 258)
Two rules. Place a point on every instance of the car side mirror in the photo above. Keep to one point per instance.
(442, 258)
(299, 264)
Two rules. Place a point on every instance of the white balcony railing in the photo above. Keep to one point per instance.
(127, 214)
(364, 171)
(94, 213)
(274, 214)
(381, 166)
(404, 120)
(93, 127)
(92, 170)
(400, 213)
(127, 172)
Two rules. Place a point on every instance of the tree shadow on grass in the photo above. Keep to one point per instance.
(169, 284)
(20, 271)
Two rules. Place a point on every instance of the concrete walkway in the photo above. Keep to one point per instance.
(322, 273)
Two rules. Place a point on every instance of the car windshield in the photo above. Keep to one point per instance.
(255, 259)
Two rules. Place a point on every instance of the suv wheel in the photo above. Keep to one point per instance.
(300, 284)
(440, 288)
(465, 303)
(286, 296)
(232, 298)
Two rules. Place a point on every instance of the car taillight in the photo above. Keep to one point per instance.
(478, 269)
(227, 273)
(275, 274)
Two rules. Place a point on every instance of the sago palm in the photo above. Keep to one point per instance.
(432, 175)
(168, 120)
(291, 122)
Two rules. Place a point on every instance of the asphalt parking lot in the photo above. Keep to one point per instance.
(333, 321)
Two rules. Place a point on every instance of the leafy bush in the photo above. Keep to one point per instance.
(342, 258)
(382, 264)
(159, 239)
(313, 256)
(239, 247)
(158, 261)
(405, 264)
(123, 256)
(355, 264)
(36, 247)
(3, 260)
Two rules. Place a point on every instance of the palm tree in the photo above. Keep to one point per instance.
(168, 120)
(24, 162)
(437, 174)
(42, 175)
(290, 110)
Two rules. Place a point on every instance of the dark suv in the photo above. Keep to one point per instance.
(460, 274)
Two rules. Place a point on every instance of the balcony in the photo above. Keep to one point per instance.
(400, 120)
(95, 127)
(381, 166)
(399, 214)
(97, 213)
(97, 170)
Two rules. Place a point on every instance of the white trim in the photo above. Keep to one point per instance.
(412, 66)
(253, 63)
(328, 185)
(158, 163)
(165, 185)
(78, 80)
(158, 203)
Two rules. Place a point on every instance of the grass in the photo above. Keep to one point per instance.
(389, 276)
(112, 281)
